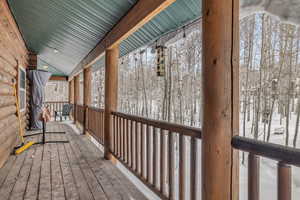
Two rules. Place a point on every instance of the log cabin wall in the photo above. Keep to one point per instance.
(13, 53)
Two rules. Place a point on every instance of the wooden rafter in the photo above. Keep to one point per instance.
(141, 13)
(58, 78)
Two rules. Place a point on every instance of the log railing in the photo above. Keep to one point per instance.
(164, 156)
(55, 106)
(285, 156)
(95, 123)
(80, 113)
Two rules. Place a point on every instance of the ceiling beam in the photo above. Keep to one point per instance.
(141, 13)
(58, 78)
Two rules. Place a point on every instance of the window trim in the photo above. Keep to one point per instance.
(21, 89)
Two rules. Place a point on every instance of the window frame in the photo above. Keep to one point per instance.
(21, 89)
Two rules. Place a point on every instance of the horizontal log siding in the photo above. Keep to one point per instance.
(12, 54)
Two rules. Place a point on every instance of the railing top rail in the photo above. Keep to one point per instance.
(56, 102)
(96, 109)
(177, 128)
(276, 152)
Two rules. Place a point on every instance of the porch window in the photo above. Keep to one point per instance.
(22, 89)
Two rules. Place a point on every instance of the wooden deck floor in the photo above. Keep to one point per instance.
(64, 171)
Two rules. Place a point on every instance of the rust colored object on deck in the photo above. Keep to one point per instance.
(45, 115)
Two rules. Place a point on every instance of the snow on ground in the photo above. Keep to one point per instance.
(268, 169)
(268, 181)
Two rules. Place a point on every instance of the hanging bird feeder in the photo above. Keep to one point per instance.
(161, 60)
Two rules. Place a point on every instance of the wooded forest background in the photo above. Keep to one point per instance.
(269, 79)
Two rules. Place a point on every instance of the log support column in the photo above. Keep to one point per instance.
(87, 94)
(71, 95)
(220, 179)
(76, 95)
(111, 95)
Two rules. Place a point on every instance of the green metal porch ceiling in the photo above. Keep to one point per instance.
(74, 27)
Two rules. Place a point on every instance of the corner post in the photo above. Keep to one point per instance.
(71, 96)
(87, 94)
(76, 96)
(220, 163)
(111, 95)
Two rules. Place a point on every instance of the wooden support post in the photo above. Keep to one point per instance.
(220, 179)
(71, 97)
(71, 91)
(87, 93)
(111, 95)
(76, 95)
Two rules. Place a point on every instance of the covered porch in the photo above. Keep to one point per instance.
(115, 155)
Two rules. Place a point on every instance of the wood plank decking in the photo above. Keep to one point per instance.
(74, 171)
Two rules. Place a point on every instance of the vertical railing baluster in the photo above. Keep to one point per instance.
(96, 125)
(98, 128)
(193, 172)
(122, 138)
(162, 161)
(171, 164)
(99, 125)
(142, 146)
(148, 140)
(131, 145)
(125, 140)
(121, 135)
(115, 135)
(154, 166)
(101, 128)
(284, 183)
(182, 168)
(98, 115)
(118, 137)
(136, 148)
(128, 139)
(253, 177)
